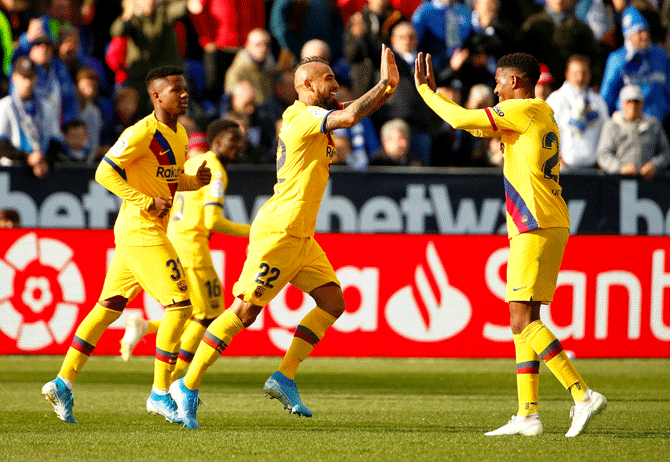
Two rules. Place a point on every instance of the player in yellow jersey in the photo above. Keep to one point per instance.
(195, 215)
(537, 223)
(152, 154)
(282, 248)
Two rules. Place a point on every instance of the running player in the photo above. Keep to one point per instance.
(152, 154)
(282, 248)
(537, 223)
(193, 218)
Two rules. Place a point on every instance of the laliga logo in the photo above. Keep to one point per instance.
(39, 292)
(447, 315)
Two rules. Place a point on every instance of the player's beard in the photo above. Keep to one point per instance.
(328, 103)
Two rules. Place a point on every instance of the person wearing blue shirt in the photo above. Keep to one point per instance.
(638, 62)
(442, 26)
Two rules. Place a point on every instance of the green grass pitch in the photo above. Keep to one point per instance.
(364, 409)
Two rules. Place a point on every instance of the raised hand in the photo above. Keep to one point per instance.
(389, 69)
(160, 206)
(423, 71)
(204, 174)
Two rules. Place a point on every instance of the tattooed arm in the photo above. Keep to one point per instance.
(355, 110)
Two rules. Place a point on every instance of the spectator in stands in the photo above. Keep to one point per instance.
(54, 83)
(471, 65)
(600, 18)
(28, 123)
(222, 27)
(487, 20)
(126, 105)
(250, 154)
(9, 218)
(406, 103)
(355, 145)
(365, 33)
(545, 84)
(580, 114)
(283, 96)
(76, 147)
(255, 64)
(395, 150)
(638, 62)
(442, 27)
(68, 50)
(294, 22)
(152, 41)
(631, 142)
(555, 34)
(89, 112)
(260, 131)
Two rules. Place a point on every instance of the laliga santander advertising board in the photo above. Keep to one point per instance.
(406, 296)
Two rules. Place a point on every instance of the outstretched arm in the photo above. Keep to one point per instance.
(372, 100)
(476, 121)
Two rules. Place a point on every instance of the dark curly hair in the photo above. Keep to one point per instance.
(162, 72)
(524, 63)
(219, 126)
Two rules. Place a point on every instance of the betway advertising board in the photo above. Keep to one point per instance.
(382, 200)
(406, 296)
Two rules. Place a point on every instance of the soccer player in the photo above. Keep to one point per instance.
(152, 154)
(282, 248)
(537, 223)
(193, 218)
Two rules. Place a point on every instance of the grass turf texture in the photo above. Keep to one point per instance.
(364, 409)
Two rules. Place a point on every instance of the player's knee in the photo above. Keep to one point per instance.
(334, 307)
(248, 313)
(116, 303)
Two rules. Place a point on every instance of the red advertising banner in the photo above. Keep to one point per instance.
(406, 296)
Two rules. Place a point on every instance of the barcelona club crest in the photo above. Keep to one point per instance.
(181, 285)
(259, 291)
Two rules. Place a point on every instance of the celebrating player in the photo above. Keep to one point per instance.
(282, 248)
(152, 154)
(194, 216)
(537, 223)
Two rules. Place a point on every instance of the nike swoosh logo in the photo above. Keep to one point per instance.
(518, 288)
(163, 153)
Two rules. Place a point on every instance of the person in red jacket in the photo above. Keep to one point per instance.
(222, 27)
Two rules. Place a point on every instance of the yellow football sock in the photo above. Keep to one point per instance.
(85, 338)
(152, 327)
(217, 337)
(190, 339)
(308, 333)
(546, 345)
(527, 376)
(167, 344)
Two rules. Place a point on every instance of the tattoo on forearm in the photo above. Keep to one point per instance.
(365, 105)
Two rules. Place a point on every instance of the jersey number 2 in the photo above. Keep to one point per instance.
(550, 141)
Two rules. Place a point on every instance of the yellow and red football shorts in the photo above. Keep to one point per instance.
(275, 259)
(206, 292)
(534, 261)
(156, 269)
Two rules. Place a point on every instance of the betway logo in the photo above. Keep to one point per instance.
(381, 214)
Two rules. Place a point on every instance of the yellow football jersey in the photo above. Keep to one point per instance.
(152, 156)
(530, 139)
(188, 230)
(303, 158)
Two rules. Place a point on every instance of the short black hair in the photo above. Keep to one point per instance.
(310, 59)
(11, 215)
(219, 126)
(524, 63)
(161, 72)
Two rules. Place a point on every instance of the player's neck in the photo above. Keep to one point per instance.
(166, 118)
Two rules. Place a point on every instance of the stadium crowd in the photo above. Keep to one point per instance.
(73, 74)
